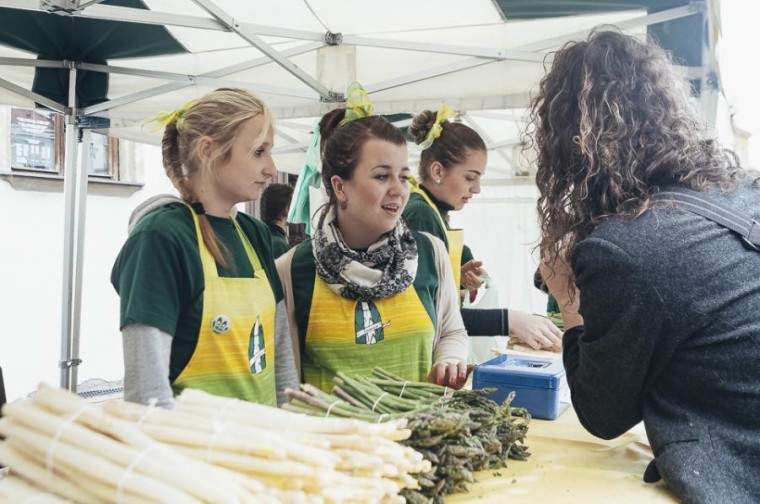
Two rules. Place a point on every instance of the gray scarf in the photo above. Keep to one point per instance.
(386, 268)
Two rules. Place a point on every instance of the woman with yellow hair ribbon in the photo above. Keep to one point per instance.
(452, 162)
(201, 303)
(367, 291)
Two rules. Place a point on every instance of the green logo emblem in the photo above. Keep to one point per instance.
(257, 352)
(368, 324)
(221, 324)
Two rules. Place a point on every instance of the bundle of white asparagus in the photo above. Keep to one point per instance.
(208, 449)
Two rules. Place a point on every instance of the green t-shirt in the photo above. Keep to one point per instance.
(303, 272)
(279, 240)
(419, 216)
(159, 277)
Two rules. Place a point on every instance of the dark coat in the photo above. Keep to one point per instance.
(671, 306)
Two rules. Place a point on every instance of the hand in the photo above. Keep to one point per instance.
(452, 375)
(471, 272)
(537, 332)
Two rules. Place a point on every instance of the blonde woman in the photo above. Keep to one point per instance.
(200, 297)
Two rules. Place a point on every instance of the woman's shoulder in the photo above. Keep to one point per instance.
(425, 240)
(430, 248)
(303, 254)
(250, 222)
(417, 204)
(172, 219)
(297, 269)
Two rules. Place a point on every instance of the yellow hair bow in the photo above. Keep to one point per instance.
(163, 119)
(357, 105)
(444, 114)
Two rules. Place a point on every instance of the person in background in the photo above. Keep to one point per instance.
(551, 303)
(201, 302)
(367, 291)
(659, 293)
(275, 204)
(452, 162)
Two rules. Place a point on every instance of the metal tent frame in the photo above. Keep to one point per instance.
(319, 95)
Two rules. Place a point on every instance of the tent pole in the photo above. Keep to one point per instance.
(709, 89)
(70, 308)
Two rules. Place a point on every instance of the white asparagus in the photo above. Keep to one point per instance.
(16, 489)
(242, 452)
(162, 465)
(267, 416)
(254, 465)
(128, 433)
(30, 468)
(240, 439)
(233, 436)
(63, 455)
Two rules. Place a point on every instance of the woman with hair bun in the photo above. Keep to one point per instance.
(366, 290)
(201, 303)
(452, 162)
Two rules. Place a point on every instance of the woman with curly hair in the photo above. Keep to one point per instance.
(659, 297)
(366, 290)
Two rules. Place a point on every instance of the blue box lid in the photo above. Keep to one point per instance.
(522, 370)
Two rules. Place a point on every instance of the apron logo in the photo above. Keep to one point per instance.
(221, 324)
(257, 352)
(368, 324)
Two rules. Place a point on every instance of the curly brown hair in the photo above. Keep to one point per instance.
(612, 123)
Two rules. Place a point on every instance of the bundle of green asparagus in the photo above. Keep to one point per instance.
(556, 318)
(458, 431)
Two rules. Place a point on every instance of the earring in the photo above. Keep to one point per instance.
(344, 205)
(438, 181)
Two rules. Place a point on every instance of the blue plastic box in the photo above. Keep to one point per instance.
(539, 383)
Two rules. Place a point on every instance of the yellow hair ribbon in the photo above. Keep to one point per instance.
(163, 119)
(413, 182)
(445, 113)
(357, 105)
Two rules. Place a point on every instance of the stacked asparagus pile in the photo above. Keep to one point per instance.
(457, 431)
(209, 449)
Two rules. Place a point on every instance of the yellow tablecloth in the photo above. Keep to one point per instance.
(566, 465)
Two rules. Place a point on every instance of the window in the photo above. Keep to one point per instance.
(33, 150)
(34, 135)
(38, 145)
(104, 156)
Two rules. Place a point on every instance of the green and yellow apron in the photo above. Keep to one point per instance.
(455, 237)
(351, 336)
(234, 355)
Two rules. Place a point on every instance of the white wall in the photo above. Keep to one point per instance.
(31, 274)
(501, 227)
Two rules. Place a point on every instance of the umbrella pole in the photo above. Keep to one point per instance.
(74, 185)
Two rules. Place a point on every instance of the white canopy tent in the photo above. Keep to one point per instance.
(299, 55)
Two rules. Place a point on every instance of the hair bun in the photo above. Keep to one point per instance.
(421, 125)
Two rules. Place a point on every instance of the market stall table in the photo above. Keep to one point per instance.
(567, 464)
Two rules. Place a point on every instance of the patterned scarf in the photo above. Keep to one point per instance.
(386, 268)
